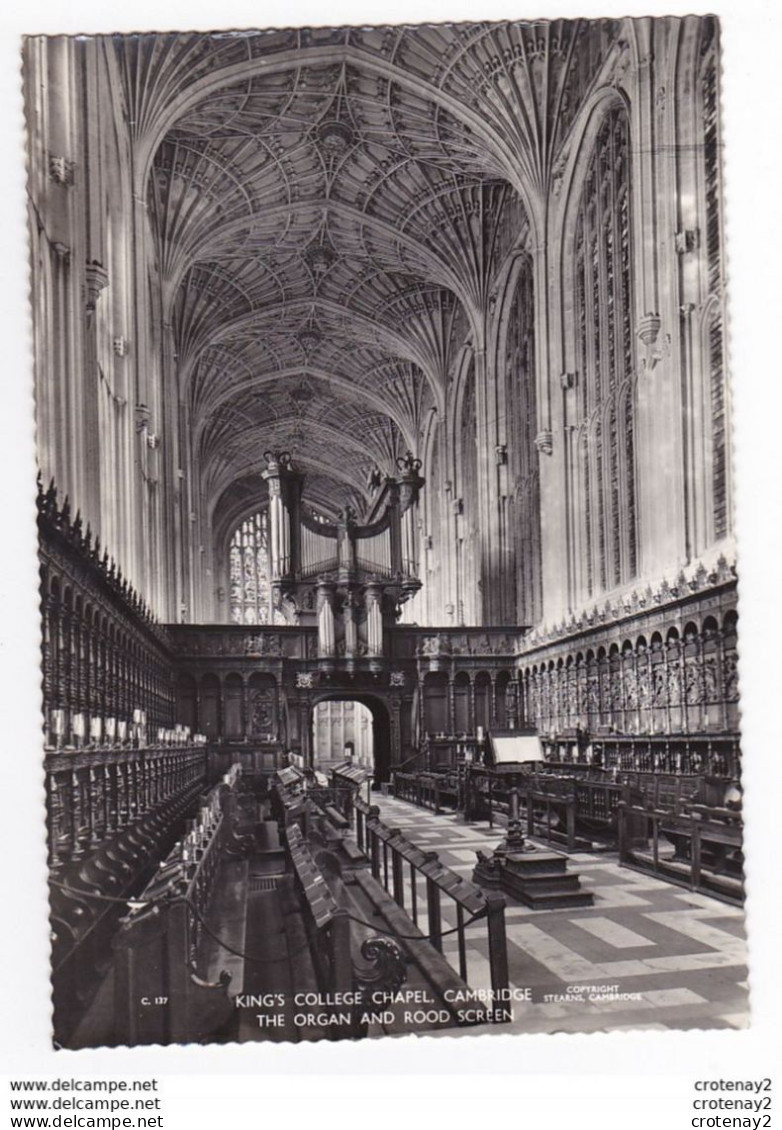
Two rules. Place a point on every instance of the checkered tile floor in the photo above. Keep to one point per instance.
(679, 957)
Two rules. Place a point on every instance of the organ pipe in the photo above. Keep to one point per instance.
(326, 636)
(318, 552)
(374, 553)
(351, 628)
(374, 621)
(409, 541)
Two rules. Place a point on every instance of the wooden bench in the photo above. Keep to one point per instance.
(169, 983)
(700, 848)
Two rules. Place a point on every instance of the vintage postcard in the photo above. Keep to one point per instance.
(388, 575)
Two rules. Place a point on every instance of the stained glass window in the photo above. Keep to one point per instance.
(249, 571)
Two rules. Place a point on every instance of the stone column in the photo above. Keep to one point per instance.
(662, 500)
(497, 586)
(550, 438)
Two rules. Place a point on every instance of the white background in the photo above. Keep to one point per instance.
(554, 1081)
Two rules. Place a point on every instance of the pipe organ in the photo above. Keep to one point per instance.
(283, 506)
(346, 578)
(373, 553)
(318, 552)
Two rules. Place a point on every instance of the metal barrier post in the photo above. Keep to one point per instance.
(498, 945)
(374, 852)
(359, 828)
(341, 965)
(397, 875)
(433, 908)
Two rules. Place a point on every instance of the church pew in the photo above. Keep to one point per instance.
(162, 992)
(429, 789)
(710, 755)
(700, 848)
(87, 901)
(355, 880)
(327, 926)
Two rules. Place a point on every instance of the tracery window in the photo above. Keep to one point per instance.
(249, 572)
(604, 359)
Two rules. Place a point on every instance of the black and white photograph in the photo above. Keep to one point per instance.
(385, 504)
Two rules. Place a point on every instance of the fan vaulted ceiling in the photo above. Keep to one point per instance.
(329, 209)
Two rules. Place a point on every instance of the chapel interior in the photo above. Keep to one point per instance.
(388, 585)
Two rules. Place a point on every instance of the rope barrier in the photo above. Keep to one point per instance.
(138, 902)
(102, 898)
(254, 959)
(422, 937)
(359, 921)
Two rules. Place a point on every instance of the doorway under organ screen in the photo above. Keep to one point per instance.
(342, 730)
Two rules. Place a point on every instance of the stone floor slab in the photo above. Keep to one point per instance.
(685, 952)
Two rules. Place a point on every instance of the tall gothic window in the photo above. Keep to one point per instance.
(524, 460)
(249, 572)
(604, 356)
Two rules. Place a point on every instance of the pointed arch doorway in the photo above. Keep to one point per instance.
(358, 724)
